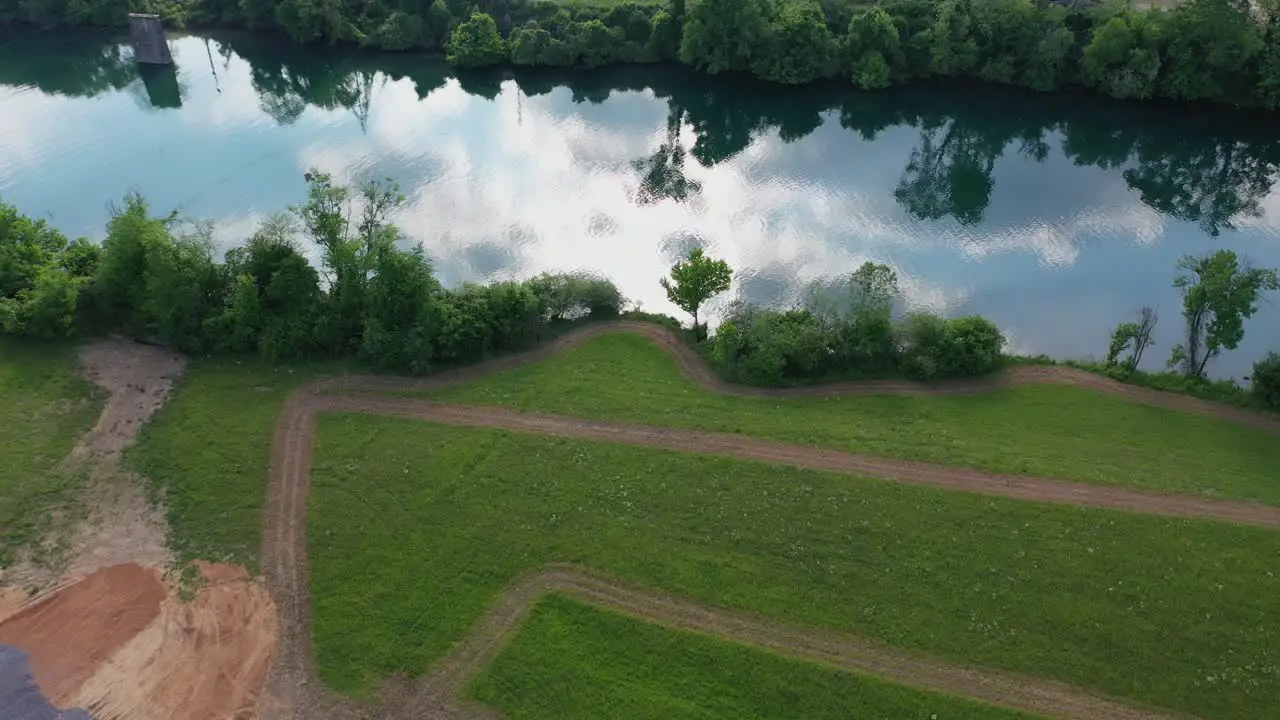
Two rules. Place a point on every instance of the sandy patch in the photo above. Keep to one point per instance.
(70, 632)
(200, 660)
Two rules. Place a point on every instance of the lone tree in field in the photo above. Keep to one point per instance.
(1218, 294)
(695, 280)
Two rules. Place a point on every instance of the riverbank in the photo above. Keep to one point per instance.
(1124, 53)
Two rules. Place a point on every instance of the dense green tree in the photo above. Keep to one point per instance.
(664, 37)
(476, 43)
(592, 43)
(400, 321)
(1265, 380)
(952, 47)
(1212, 46)
(529, 45)
(349, 243)
(26, 248)
(1007, 35)
(1123, 58)
(696, 279)
(1049, 62)
(1218, 295)
(798, 45)
(133, 243)
(873, 49)
(725, 35)
(1268, 90)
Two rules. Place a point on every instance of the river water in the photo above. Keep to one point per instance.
(1055, 216)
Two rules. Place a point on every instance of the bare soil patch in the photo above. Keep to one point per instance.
(71, 632)
(107, 632)
(197, 660)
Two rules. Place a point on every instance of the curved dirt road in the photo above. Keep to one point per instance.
(295, 691)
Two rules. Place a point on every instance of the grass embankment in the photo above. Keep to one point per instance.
(571, 660)
(208, 454)
(414, 528)
(45, 406)
(1046, 430)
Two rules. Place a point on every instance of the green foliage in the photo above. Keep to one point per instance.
(476, 43)
(873, 49)
(576, 295)
(664, 37)
(400, 313)
(725, 35)
(1123, 58)
(934, 348)
(41, 276)
(695, 280)
(1212, 46)
(847, 330)
(1218, 295)
(798, 46)
(1266, 381)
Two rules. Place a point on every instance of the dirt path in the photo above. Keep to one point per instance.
(295, 691)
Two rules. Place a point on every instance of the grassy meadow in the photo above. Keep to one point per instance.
(1046, 430)
(45, 406)
(207, 454)
(571, 661)
(415, 527)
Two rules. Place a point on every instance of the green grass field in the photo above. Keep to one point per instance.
(44, 409)
(414, 527)
(1046, 430)
(572, 661)
(208, 454)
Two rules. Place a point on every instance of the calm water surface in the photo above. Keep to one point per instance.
(1054, 216)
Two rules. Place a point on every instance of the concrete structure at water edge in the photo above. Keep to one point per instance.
(149, 44)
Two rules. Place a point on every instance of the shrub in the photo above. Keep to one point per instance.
(769, 347)
(934, 348)
(1266, 380)
(571, 296)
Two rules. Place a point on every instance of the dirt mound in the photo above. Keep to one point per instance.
(124, 645)
(69, 633)
(203, 659)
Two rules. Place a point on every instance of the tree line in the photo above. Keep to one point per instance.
(157, 278)
(1215, 50)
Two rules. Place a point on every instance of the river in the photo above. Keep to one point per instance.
(1055, 216)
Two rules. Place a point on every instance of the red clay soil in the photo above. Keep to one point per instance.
(71, 633)
(202, 659)
(295, 691)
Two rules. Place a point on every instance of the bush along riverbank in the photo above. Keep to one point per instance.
(1215, 50)
(156, 278)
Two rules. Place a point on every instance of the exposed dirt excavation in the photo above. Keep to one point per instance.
(108, 632)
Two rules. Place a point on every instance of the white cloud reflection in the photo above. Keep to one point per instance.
(521, 185)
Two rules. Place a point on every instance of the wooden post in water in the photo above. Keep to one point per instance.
(149, 44)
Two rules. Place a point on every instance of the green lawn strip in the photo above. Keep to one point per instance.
(572, 660)
(414, 528)
(207, 453)
(45, 406)
(1047, 430)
